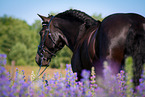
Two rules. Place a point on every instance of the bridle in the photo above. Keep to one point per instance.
(41, 46)
(42, 49)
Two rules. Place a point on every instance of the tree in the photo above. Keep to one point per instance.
(97, 16)
(14, 32)
(63, 57)
(19, 54)
(36, 26)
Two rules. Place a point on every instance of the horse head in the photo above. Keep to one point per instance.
(51, 40)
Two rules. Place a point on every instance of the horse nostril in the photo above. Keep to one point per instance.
(38, 59)
(45, 59)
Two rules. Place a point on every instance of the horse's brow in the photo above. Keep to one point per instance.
(44, 22)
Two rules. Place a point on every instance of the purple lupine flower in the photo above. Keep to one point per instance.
(114, 87)
(23, 74)
(24, 90)
(3, 60)
(69, 75)
(121, 83)
(56, 76)
(68, 67)
(86, 91)
(4, 82)
(85, 74)
(141, 88)
(43, 77)
(3, 55)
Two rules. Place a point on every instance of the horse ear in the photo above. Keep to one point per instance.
(42, 17)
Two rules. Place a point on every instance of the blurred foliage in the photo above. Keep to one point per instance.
(62, 58)
(97, 16)
(129, 75)
(20, 41)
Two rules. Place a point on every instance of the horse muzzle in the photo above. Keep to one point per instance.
(41, 61)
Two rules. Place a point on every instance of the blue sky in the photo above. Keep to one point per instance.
(28, 9)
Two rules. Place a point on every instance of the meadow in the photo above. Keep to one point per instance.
(60, 85)
(28, 70)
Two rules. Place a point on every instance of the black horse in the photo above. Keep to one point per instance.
(92, 41)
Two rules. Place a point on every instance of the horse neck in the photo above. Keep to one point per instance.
(71, 31)
(74, 31)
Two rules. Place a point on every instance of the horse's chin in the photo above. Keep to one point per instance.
(42, 61)
(45, 63)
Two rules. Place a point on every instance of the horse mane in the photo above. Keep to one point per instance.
(74, 14)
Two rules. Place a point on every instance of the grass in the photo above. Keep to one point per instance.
(28, 70)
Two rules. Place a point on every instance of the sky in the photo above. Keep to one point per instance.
(28, 9)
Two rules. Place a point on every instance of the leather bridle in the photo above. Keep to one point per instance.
(41, 46)
(42, 49)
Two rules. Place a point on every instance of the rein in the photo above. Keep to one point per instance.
(42, 71)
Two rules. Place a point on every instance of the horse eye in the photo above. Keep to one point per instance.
(43, 26)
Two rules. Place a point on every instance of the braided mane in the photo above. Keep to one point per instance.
(74, 15)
